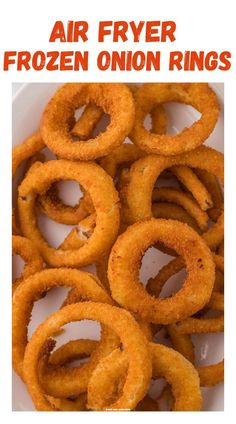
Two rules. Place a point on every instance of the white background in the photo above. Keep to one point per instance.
(202, 25)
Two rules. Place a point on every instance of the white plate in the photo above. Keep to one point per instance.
(28, 105)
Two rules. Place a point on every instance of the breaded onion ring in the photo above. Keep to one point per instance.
(215, 235)
(189, 179)
(125, 154)
(123, 270)
(173, 195)
(76, 349)
(78, 404)
(104, 197)
(210, 375)
(214, 188)
(155, 284)
(122, 323)
(51, 204)
(87, 122)
(25, 150)
(172, 211)
(58, 119)
(167, 363)
(198, 95)
(145, 171)
(35, 287)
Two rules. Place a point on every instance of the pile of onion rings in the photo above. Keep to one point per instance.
(140, 189)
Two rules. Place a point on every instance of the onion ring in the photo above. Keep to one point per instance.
(172, 211)
(190, 324)
(78, 404)
(123, 270)
(121, 322)
(58, 119)
(198, 95)
(32, 289)
(145, 172)
(75, 349)
(155, 285)
(166, 363)
(215, 235)
(210, 375)
(51, 204)
(173, 195)
(25, 150)
(124, 154)
(98, 184)
(189, 179)
(213, 186)
(86, 123)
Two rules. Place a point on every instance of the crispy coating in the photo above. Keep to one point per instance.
(104, 197)
(25, 150)
(78, 404)
(27, 251)
(58, 119)
(172, 211)
(21, 152)
(189, 179)
(167, 363)
(159, 120)
(173, 195)
(199, 325)
(51, 204)
(181, 342)
(126, 154)
(124, 263)
(190, 324)
(122, 323)
(145, 171)
(182, 173)
(74, 349)
(87, 122)
(198, 95)
(209, 375)
(155, 284)
(33, 288)
(215, 235)
(122, 155)
(120, 366)
(214, 188)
